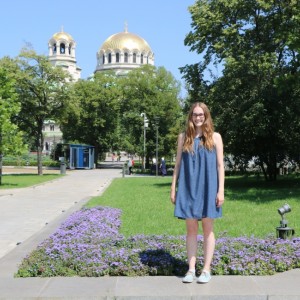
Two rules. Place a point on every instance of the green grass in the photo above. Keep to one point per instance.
(145, 204)
(24, 180)
(250, 207)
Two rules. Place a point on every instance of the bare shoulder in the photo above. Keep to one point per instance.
(180, 140)
(181, 136)
(217, 138)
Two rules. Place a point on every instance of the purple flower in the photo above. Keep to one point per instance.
(88, 243)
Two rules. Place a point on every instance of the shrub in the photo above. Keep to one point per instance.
(88, 244)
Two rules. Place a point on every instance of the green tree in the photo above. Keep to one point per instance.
(108, 112)
(196, 85)
(256, 100)
(95, 115)
(43, 94)
(11, 139)
(152, 91)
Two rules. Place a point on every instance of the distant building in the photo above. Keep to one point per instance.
(62, 48)
(52, 135)
(121, 52)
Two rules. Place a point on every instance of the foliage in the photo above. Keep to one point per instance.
(95, 114)
(256, 100)
(11, 138)
(88, 244)
(28, 160)
(154, 92)
(107, 112)
(43, 93)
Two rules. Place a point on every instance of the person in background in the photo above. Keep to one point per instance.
(199, 170)
(153, 168)
(130, 165)
(163, 167)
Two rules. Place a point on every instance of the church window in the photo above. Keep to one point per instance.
(126, 57)
(62, 48)
(51, 127)
(109, 58)
(134, 57)
(54, 48)
(103, 59)
(142, 58)
(117, 57)
(70, 48)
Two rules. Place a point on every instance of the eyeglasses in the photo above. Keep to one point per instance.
(201, 115)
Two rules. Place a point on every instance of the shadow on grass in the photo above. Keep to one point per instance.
(163, 184)
(257, 190)
(162, 263)
(26, 177)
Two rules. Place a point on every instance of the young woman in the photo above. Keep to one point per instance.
(199, 171)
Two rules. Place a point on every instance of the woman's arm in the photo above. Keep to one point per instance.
(220, 165)
(177, 167)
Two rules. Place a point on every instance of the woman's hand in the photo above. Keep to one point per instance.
(173, 196)
(220, 199)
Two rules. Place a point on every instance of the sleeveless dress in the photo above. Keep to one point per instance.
(197, 184)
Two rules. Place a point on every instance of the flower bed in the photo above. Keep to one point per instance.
(89, 244)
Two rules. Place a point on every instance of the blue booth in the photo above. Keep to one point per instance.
(81, 156)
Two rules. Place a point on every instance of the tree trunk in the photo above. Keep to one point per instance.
(261, 164)
(96, 154)
(40, 143)
(270, 172)
(39, 161)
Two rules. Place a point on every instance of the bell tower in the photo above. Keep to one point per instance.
(61, 48)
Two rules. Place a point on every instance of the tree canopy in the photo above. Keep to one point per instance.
(154, 92)
(94, 117)
(109, 107)
(11, 138)
(256, 100)
(43, 94)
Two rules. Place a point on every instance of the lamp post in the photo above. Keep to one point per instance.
(283, 231)
(156, 126)
(146, 123)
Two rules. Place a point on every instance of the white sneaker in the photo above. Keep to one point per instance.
(205, 277)
(189, 277)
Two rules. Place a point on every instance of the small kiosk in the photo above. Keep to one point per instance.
(78, 156)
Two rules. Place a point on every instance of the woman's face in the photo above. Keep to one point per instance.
(198, 117)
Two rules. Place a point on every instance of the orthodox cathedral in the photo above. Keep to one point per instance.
(121, 52)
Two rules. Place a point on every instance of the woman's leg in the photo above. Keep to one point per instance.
(208, 242)
(192, 227)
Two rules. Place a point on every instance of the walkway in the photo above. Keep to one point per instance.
(30, 215)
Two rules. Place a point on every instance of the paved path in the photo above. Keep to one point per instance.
(30, 215)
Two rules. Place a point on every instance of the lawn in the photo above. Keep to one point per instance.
(130, 231)
(250, 207)
(14, 181)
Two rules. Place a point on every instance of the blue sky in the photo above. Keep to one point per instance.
(162, 23)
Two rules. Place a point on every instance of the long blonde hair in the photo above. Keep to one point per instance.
(207, 129)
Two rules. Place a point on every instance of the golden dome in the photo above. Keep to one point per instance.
(125, 40)
(62, 36)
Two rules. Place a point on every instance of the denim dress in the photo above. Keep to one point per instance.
(197, 184)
